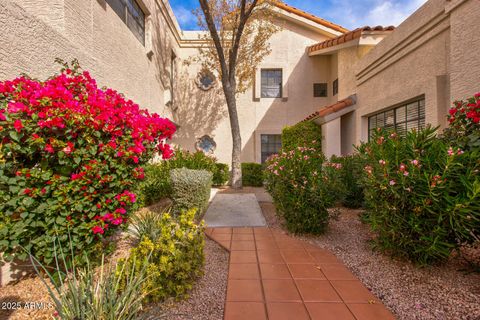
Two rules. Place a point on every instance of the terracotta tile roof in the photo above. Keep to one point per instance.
(309, 16)
(325, 111)
(349, 36)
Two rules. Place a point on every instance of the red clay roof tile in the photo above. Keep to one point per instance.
(309, 16)
(349, 36)
(325, 111)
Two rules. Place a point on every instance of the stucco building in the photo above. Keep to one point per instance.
(349, 82)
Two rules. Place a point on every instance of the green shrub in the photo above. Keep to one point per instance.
(72, 154)
(252, 174)
(175, 256)
(89, 293)
(190, 189)
(303, 187)
(422, 195)
(464, 128)
(302, 134)
(200, 161)
(156, 185)
(350, 177)
(222, 175)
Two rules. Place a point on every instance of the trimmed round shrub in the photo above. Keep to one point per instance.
(252, 174)
(303, 186)
(422, 194)
(303, 134)
(71, 156)
(199, 161)
(190, 189)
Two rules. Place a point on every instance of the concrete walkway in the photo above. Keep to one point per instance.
(234, 210)
(274, 276)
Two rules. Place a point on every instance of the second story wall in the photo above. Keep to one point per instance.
(38, 31)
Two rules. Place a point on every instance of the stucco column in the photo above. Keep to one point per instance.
(332, 138)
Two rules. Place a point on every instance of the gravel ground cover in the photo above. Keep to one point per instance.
(444, 292)
(205, 302)
(207, 299)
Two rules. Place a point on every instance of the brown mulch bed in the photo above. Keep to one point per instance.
(432, 293)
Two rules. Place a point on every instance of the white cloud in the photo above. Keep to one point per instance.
(353, 14)
(185, 17)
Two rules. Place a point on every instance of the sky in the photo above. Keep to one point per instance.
(347, 13)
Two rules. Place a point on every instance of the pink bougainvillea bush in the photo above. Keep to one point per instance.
(71, 154)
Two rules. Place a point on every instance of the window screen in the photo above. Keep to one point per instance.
(320, 90)
(132, 15)
(271, 144)
(271, 83)
(401, 119)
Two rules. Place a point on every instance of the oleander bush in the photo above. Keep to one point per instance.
(72, 154)
(252, 174)
(175, 255)
(190, 189)
(303, 186)
(303, 134)
(422, 194)
(351, 179)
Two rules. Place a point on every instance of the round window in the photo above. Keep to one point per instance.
(206, 144)
(206, 79)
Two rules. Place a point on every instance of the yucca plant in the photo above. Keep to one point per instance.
(87, 293)
(146, 224)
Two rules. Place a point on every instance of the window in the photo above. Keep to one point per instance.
(270, 144)
(401, 119)
(335, 87)
(206, 79)
(206, 144)
(132, 15)
(320, 90)
(271, 83)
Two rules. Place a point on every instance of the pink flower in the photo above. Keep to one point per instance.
(117, 221)
(18, 125)
(450, 151)
(406, 173)
(14, 107)
(69, 148)
(49, 148)
(392, 182)
(415, 162)
(382, 162)
(98, 229)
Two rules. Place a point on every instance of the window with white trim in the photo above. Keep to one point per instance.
(132, 15)
(401, 119)
(271, 83)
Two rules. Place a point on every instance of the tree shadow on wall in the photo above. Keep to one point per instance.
(196, 112)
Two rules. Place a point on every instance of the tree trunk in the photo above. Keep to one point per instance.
(237, 138)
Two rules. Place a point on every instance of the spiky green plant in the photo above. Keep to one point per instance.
(87, 293)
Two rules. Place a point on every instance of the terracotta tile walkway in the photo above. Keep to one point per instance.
(273, 276)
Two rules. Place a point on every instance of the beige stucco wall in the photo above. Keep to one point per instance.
(428, 55)
(204, 113)
(35, 32)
